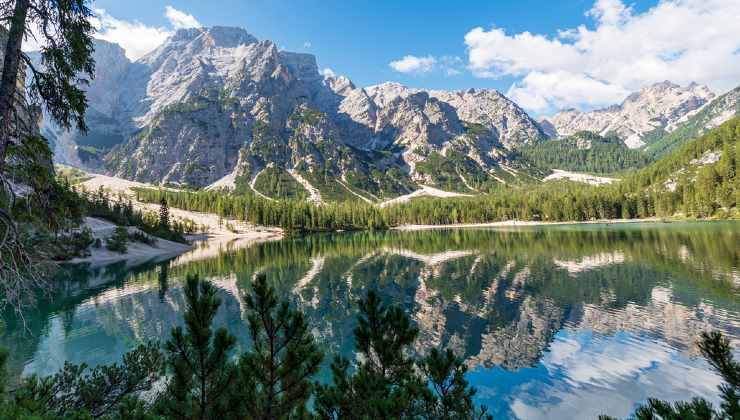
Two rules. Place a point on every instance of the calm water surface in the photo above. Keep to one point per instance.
(556, 322)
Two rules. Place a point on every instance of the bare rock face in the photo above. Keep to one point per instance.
(210, 102)
(483, 125)
(340, 85)
(400, 114)
(111, 102)
(711, 115)
(489, 108)
(654, 108)
(208, 91)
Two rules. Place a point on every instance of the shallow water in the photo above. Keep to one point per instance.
(554, 322)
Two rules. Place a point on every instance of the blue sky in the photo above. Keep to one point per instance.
(546, 54)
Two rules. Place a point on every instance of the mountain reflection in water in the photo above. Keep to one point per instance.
(568, 321)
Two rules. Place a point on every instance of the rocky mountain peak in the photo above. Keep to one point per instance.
(340, 85)
(217, 36)
(654, 107)
(109, 53)
(215, 102)
(302, 65)
(670, 92)
(194, 42)
(491, 109)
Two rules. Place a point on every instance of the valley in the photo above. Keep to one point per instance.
(345, 213)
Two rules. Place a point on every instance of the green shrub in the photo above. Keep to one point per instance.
(117, 241)
(138, 236)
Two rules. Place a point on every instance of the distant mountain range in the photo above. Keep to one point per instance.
(218, 107)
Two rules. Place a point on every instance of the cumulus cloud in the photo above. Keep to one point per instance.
(677, 40)
(414, 64)
(179, 19)
(137, 38)
(563, 89)
(134, 37)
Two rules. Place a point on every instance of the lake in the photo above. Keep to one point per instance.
(554, 322)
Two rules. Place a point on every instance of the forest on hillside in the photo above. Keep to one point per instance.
(697, 180)
(584, 152)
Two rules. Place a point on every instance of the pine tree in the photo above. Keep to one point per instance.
(117, 241)
(202, 374)
(387, 382)
(384, 384)
(450, 397)
(66, 54)
(164, 214)
(77, 392)
(276, 374)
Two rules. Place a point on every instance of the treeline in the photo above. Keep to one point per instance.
(292, 215)
(121, 211)
(698, 180)
(199, 377)
(585, 152)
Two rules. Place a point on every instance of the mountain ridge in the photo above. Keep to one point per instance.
(209, 102)
(219, 107)
(652, 108)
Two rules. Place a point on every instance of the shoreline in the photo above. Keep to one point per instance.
(163, 249)
(524, 223)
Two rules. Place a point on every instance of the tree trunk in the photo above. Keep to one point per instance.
(9, 81)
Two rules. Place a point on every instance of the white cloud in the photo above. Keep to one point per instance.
(327, 72)
(179, 19)
(564, 89)
(413, 64)
(677, 40)
(307, 44)
(610, 12)
(135, 37)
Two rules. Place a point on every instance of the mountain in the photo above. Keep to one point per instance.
(642, 116)
(109, 115)
(585, 152)
(692, 125)
(216, 106)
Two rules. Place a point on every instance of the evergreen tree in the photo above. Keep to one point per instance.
(64, 31)
(385, 383)
(450, 397)
(276, 374)
(163, 279)
(164, 214)
(117, 241)
(202, 373)
(66, 43)
(77, 392)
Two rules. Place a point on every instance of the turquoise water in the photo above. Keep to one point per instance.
(555, 322)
